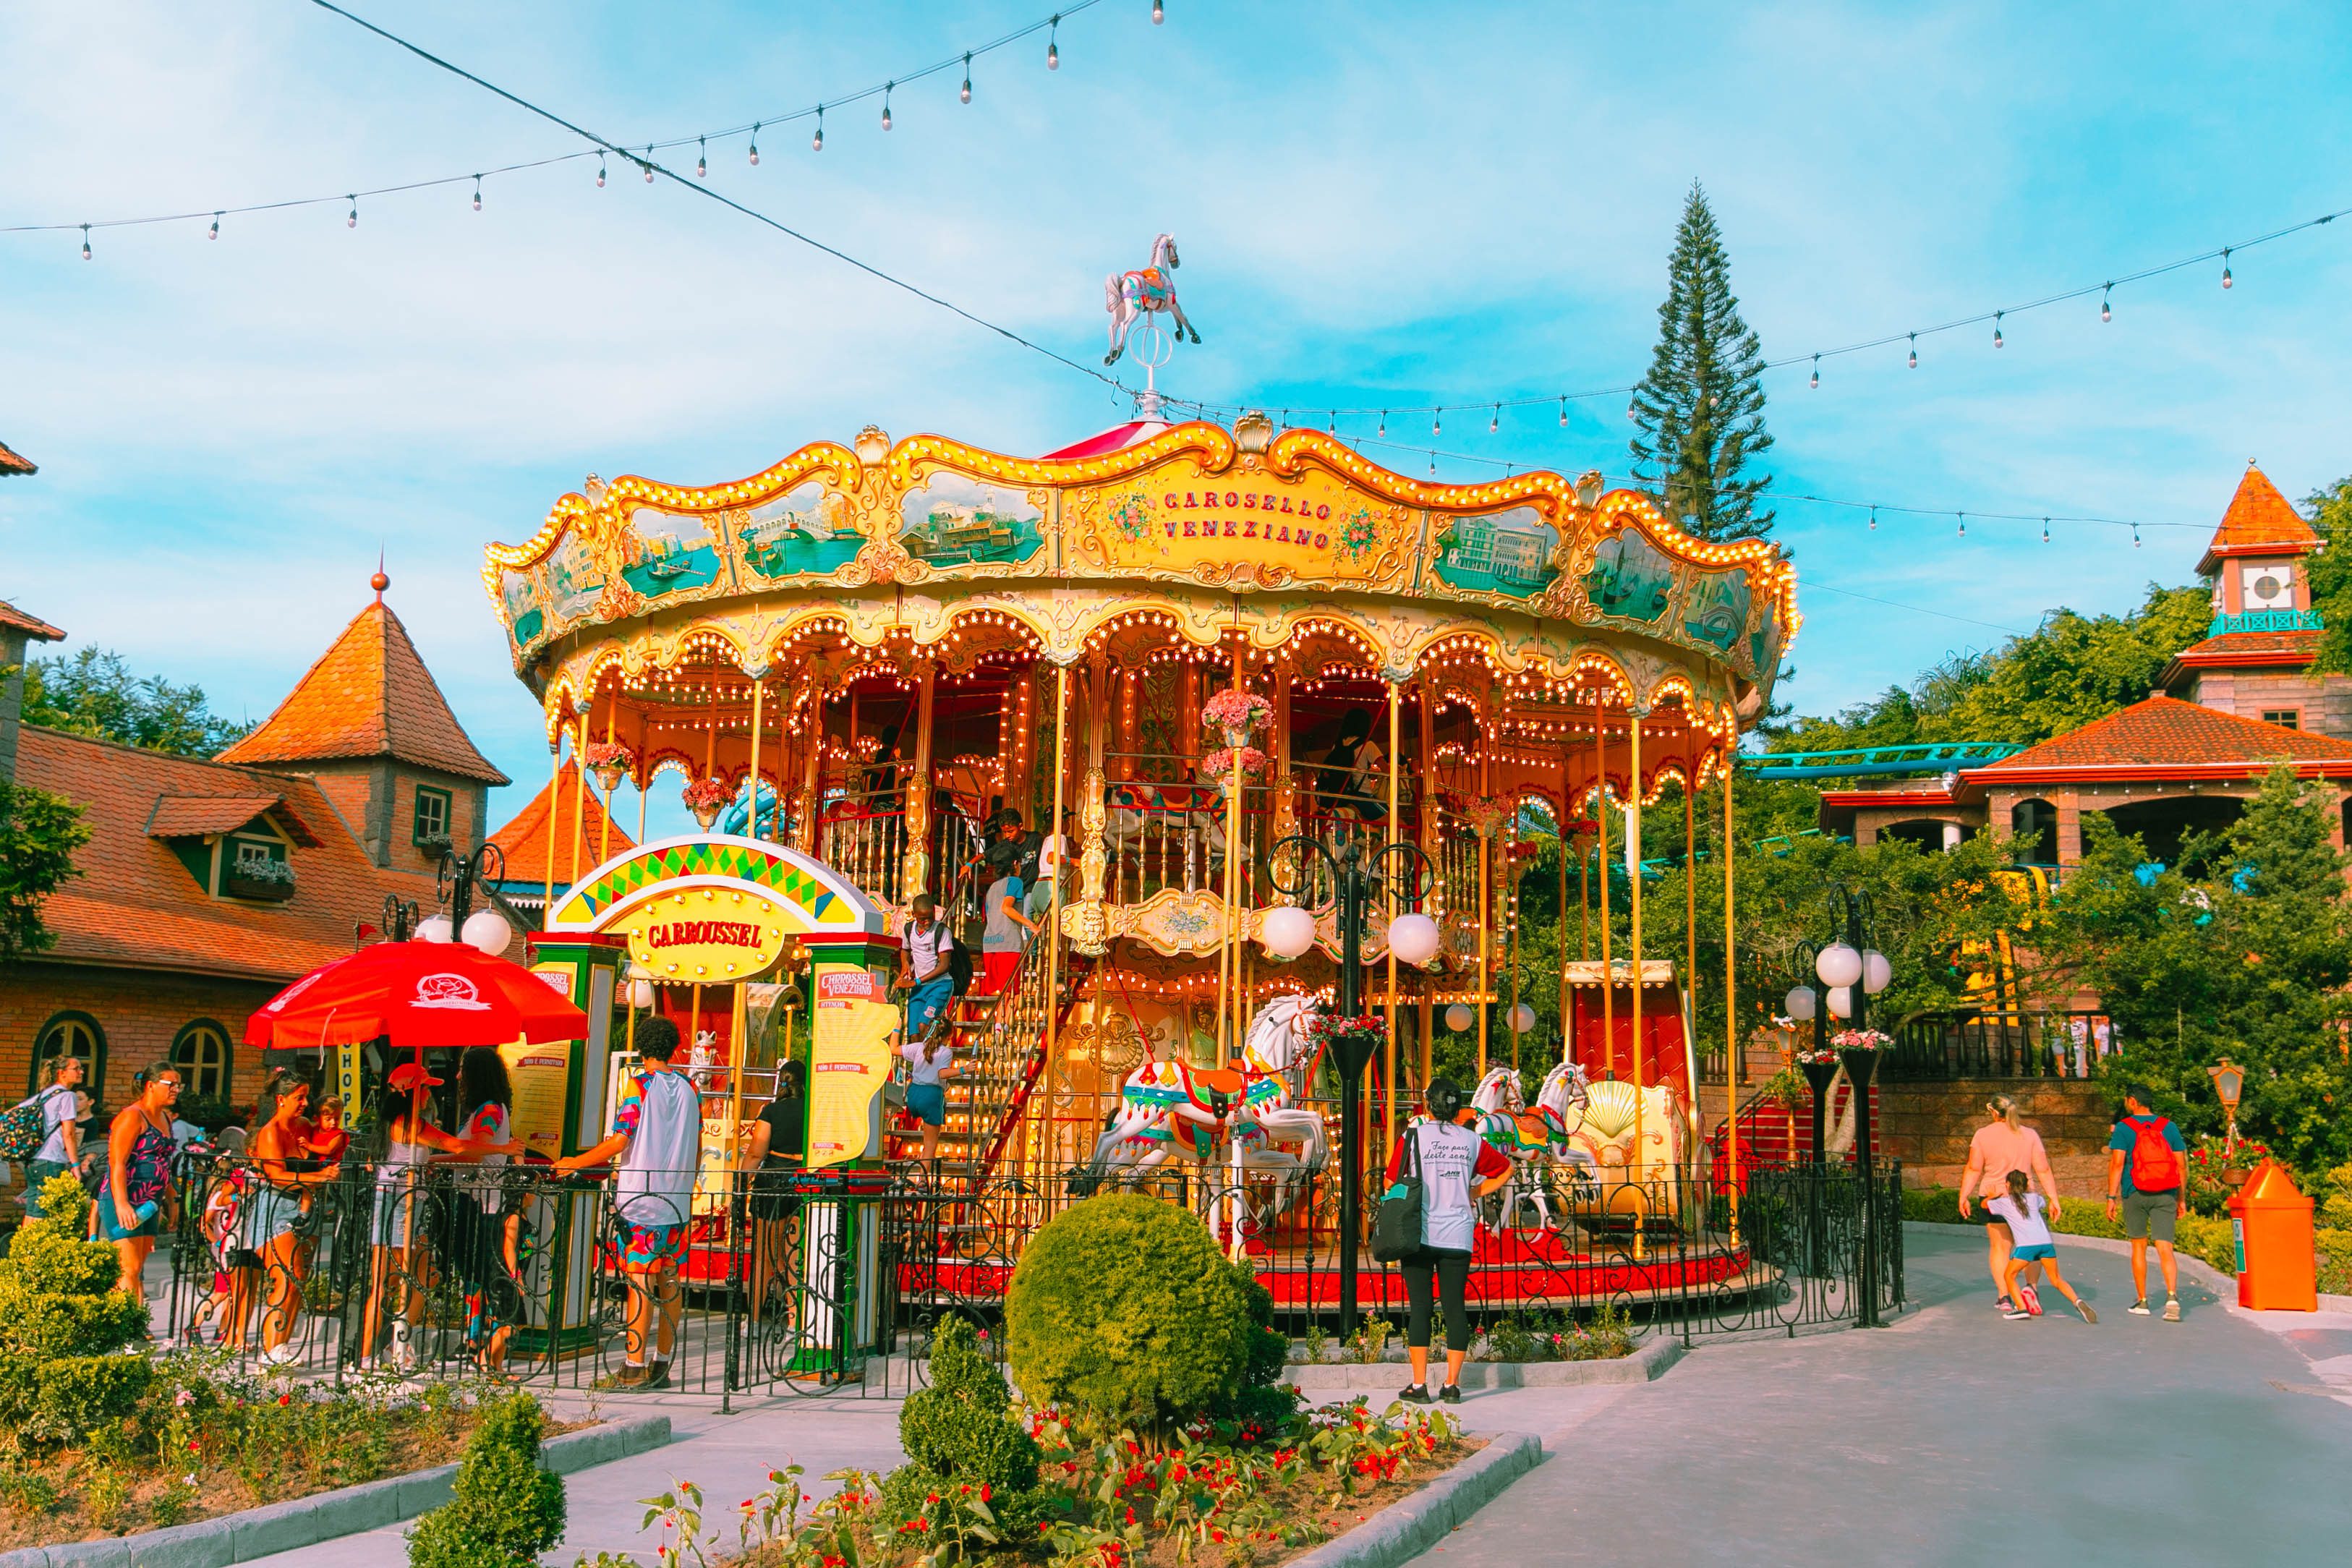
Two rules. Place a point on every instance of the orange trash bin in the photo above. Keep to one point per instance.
(2277, 1258)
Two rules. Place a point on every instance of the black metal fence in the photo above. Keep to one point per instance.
(2052, 1044)
(519, 1274)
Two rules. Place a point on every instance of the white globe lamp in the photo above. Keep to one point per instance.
(1459, 1018)
(1841, 1002)
(1798, 1004)
(1522, 1018)
(1838, 965)
(433, 927)
(1876, 973)
(1414, 939)
(486, 931)
(1288, 932)
(641, 995)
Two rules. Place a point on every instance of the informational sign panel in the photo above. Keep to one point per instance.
(540, 1077)
(854, 1024)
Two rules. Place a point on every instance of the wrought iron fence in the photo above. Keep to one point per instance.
(781, 1283)
(2049, 1043)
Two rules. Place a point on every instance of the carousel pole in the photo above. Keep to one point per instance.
(1600, 867)
(1054, 909)
(813, 774)
(1565, 839)
(916, 869)
(554, 805)
(1229, 957)
(1634, 911)
(1731, 1069)
(579, 791)
(759, 722)
(1486, 889)
(611, 712)
(1388, 899)
(1511, 880)
(1430, 847)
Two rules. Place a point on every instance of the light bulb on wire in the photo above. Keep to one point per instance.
(2045, 530)
(1159, 13)
(886, 105)
(646, 164)
(1873, 519)
(1563, 413)
(1494, 422)
(2225, 268)
(353, 221)
(966, 94)
(1436, 417)
(1384, 421)
(478, 193)
(1914, 350)
(1964, 524)
(1053, 44)
(1817, 373)
(215, 234)
(2106, 311)
(600, 171)
(701, 158)
(2134, 536)
(816, 143)
(755, 145)
(1996, 327)
(85, 242)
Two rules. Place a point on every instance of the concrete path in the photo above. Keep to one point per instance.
(1958, 1438)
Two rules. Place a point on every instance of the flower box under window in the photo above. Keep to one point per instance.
(271, 881)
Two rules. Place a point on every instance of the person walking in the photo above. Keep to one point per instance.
(930, 1062)
(2002, 1145)
(60, 1149)
(1008, 929)
(2147, 1182)
(284, 1171)
(1457, 1167)
(2022, 1208)
(925, 953)
(778, 1140)
(485, 1236)
(655, 1150)
(138, 1174)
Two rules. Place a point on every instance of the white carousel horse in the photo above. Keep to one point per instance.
(1264, 1120)
(1131, 296)
(1533, 1139)
(1130, 808)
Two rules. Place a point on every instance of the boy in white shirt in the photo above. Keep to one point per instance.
(2023, 1208)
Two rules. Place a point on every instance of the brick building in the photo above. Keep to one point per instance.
(208, 886)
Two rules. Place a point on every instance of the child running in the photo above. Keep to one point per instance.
(2023, 1209)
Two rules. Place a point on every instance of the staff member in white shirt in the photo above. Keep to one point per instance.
(1457, 1168)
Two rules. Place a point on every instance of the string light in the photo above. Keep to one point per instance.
(1873, 519)
(2134, 536)
(215, 232)
(353, 220)
(1914, 350)
(1053, 46)
(478, 193)
(85, 242)
(646, 164)
(886, 105)
(2225, 267)
(2045, 530)
(1159, 13)
(1435, 421)
(1996, 327)
(755, 146)
(1964, 524)
(1384, 421)
(1496, 422)
(816, 143)
(966, 93)
(1563, 413)
(1817, 373)
(2106, 309)
(600, 171)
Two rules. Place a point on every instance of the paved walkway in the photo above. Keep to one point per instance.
(1958, 1437)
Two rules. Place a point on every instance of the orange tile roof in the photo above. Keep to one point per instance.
(31, 625)
(2259, 521)
(2241, 650)
(369, 695)
(523, 841)
(134, 904)
(2163, 732)
(15, 463)
(194, 816)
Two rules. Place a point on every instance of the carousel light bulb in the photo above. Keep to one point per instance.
(1838, 965)
(1289, 932)
(1876, 973)
(478, 193)
(1413, 938)
(1798, 1004)
(641, 995)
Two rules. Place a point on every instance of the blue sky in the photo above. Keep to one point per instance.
(1378, 204)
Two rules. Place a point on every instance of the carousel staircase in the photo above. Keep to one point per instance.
(1772, 1133)
(1000, 1055)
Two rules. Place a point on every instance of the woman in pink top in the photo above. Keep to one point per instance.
(1999, 1146)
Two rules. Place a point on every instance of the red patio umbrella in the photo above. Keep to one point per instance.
(417, 994)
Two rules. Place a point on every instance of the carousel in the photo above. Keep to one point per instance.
(1160, 694)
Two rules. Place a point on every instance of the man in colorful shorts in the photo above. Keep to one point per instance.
(655, 1150)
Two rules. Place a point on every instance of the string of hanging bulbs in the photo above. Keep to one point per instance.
(1960, 516)
(700, 141)
(1493, 408)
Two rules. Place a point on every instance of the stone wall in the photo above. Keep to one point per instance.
(1927, 1127)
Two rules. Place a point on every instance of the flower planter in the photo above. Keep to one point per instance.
(706, 816)
(239, 884)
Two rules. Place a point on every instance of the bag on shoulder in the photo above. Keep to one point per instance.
(25, 1127)
(1396, 1230)
(2155, 1162)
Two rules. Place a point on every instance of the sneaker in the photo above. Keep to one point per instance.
(283, 1355)
(657, 1375)
(2172, 1309)
(2138, 1307)
(2001, 1303)
(2017, 1315)
(2090, 1313)
(1450, 1394)
(630, 1376)
(2030, 1299)
(1414, 1393)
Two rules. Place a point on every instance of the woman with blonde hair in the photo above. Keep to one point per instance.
(2002, 1145)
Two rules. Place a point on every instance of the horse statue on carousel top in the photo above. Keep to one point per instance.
(1533, 1137)
(1131, 296)
(1240, 1121)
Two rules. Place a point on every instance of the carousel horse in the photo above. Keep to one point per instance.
(1130, 297)
(1128, 808)
(1533, 1138)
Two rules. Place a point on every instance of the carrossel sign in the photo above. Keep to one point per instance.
(1254, 530)
(705, 935)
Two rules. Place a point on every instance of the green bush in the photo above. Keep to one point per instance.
(1263, 1404)
(62, 1324)
(1122, 1313)
(76, 1396)
(972, 1469)
(506, 1510)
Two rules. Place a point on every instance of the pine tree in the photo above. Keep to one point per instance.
(1698, 416)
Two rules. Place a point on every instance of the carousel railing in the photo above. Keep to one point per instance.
(862, 833)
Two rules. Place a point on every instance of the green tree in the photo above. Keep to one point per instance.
(1698, 414)
(38, 835)
(92, 692)
(2330, 572)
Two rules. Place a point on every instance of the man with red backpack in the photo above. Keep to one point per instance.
(2147, 1180)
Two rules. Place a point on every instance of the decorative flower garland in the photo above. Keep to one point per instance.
(1218, 765)
(1861, 1040)
(610, 761)
(1237, 713)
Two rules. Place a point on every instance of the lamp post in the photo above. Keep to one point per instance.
(1850, 971)
(455, 880)
(1358, 880)
(2228, 1083)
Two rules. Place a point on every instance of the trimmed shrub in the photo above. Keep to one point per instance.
(62, 1325)
(506, 1510)
(972, 1469)
(1122, 1313)
(1263, 1404)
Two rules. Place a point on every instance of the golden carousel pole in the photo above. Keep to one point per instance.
(579, 789)
(1485, 892)
(1388, 1123)
(554, 805)
(758, 719)
(1600, 859)
(1634, 911)
(1041, 1136)
(612, 712)
(1435, 851)
(1731, 1072)
(1566, 838)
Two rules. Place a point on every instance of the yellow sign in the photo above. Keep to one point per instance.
(705, 935)
(540, 1078)
(850, 1061)
(1245, 530)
